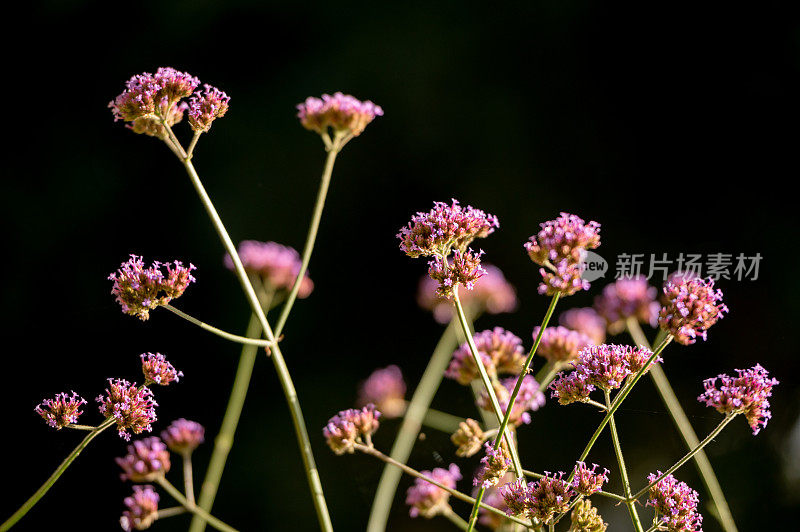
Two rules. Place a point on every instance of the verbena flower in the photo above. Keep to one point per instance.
(427, 500)
(468, 438)
(492, 497)
(139, 290)
(588, 481)
(565, 279)
(386, 389)
(691, 307)
(584, 518)
(628, 298)
(206, 106)
(142, 509)
(560, 345)
(517, 497)
(675, 503)
(585, 320)
(571, 387)
(549, 495)
(529, 398)
(465, 269)
(501, 352)
(147, 460)
(747, 394)
(341, 112)
(494, 465)
(606, 365)
(62, 410)
(183, 436)
(493, 294)
(132, 407)
(348, 427)
(157, 369)
(277, 265)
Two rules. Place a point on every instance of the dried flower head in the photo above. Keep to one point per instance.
(142, 509)
(62, 410)
(206, 106)
(549, 495)
(348, 427)
(139, 290)
(341, 112)
(147, 460)
(529, 398)
(428, 500)
(691, 307)
(386, 389)
(157, 369)
(571, 387)
(468, 438)
(584, 518)
(747, 394)
(493, 294)
(675, 503)
(628, 298)
(585, 320)
(183, 436)
(494, 465)
(501, 352)
(560, 345)
(131, 406)
(277, 265)
(443, 228)
(588, 481)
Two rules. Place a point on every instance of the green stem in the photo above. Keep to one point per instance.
(311, 237)
(688, 456)
(626, 485)
(191, 507)
(455, 519)
(228, 336)
(31, 502)
(188, 480)
(687, 432)
(442, 421)
(192, 144)
(170, 512)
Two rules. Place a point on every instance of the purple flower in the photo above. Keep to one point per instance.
(62, 410)
(628, 298)
(348, 427)
(564, 278)
(428, 500)
(206, 106)
(147, 460)
(443, 228)
(157, 369)
(500, 350)
(494, 465)
(468, 438)
(549, 495)
(606, 366)
(494, 294)
(529, 398)
(571, 387)
(587, 321)
(341, 112)
(139, 290)
(493, 498)
(692, 305)
(746, 394)
(560, 345)
(276, 264)
(676, 503)
(386, 389)
(517, 497)
(132, 407)
(588, 481)
(142, 509)
(183, 436)
(465, 269)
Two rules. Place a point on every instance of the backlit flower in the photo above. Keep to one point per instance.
(628, 298)
(559, 344)
(588, 481)
(386, 389)
(465, 269)
(341, 112)
(157, 369)
(147, 460)
(351, 426)
(277, 265)
(183, 436)
(206, 106)
(585, 320)
(747, 394)
(692, 306)
(132, 407)
(428, 500)
(529, 398)
(139, 290)
(494, 465)
(501, 352)
(675, 503)
(62, 410)
(142, 509)
(468, 438)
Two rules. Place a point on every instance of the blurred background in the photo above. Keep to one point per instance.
(675, 127)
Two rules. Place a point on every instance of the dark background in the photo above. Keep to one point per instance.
(673, 126)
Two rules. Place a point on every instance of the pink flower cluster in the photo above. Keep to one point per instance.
(585, 320)
(277, 265)
(348, 427)
(206, 106)
(465, 270)
(560, 344)
(340, 112)
(157, 369)
(62, 410)
(501, 352)
(146, 460)
(588, 481)
(131, 406)
(386, 389)
(429, 500)
(139, 290)
(142, 509)
(675, 503)
(692, 306)
(541, 499)
(628, 298)
(494, 465)
(183, 436)
(747, 394)
(528, 399)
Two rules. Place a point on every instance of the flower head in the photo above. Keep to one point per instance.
(147, 460)
(676, 503)
(517, 497)
(139, 290)
(747, 394)
(183, 436)
(341, 112)
(142, 509)
(494, 465)
(571, 387)
(529, 398)
(501, 351)
(157, 369)
(628, 298)
(386, 389)
(564, 278)
(429, 500)
(493, 498)
(588, 481)
(549, 495)
(691, 307)
(559, 344)
(206, 106)
(606, 365)
(585, 320)
(62, 410)
(493, 294)
(277, 265)
(465, 269)
(585, 518)
(468, 438)
(131, 406)
(348, 427)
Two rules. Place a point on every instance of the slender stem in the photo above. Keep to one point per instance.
(414, 473)
(174, 140)
(169, 512)
(626, 485)
(688, 456)
(228, 336)
(688, 434)
(31, 502)
(81, 427)
(191, 507)
(601, 406)
(311, 237)
(304, 443)
(455, 518)
(410, 427)
(192, 144)
(188, 480)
